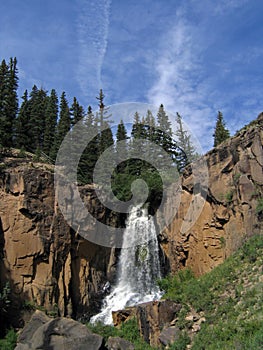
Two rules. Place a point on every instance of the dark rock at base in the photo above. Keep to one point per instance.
(151, 317)
(117, 343)
(169, 335)
(58, 333)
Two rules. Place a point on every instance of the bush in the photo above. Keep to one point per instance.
(9, 342)
(128, 330)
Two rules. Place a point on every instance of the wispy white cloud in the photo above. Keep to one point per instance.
(93, 26)
(179, 79)
(199, 71)
(228, 5)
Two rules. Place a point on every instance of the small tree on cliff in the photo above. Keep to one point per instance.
(221, 132)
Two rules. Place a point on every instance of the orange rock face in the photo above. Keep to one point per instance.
(46, 263)
(229, 212)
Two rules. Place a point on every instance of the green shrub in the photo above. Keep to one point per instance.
(128, 330)
(9, 342)
(259, 207)
(229, 196)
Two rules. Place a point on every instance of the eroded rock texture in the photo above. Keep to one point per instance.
(230, 208)
(58, 333)
(46, 262)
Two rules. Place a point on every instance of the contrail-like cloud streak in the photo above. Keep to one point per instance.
(93, 27)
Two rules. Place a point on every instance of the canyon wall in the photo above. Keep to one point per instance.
(46, 263)
(50, 265)
(231, 205)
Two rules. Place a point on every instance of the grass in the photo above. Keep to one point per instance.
(128, 330)
(230, 296)
(9, 342)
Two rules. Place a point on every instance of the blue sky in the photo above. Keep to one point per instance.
(194, 56)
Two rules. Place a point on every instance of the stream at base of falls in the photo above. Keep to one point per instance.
(138, 268)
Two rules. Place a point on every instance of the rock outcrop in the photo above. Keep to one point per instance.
(153, 318)
(46, 263)
(58, 333)
(230, 205)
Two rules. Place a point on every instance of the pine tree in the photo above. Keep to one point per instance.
(4, 137)
(64, 122)
(186, 152)
(8, 101)
(164, 132)
(150, 126)
(50, 123)
(37, 105)
(106, 136)
(12, 99)
(76, 111)
(23, 128)
(121, 145)
(221, 132)
(137, 127)
(91, 153)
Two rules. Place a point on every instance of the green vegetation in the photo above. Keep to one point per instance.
(9, 342)
(221, 132)
(259, 208)
(230, 296)
(229, 196)
(128, 330)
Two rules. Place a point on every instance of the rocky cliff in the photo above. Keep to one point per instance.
(50, 265)
(231, 205)
(46, 263)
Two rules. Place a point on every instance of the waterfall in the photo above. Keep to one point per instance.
(138, 268)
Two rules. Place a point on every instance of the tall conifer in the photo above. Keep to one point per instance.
(186, 151)
(50, 123)
(221, 132)
(23, 137)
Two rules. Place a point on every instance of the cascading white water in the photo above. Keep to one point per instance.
(138, 268)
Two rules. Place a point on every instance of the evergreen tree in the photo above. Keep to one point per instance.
(37, 105)
(4, 137)
(50, 123)
(150, 126)
(23, 128)
(137, 127)
(106, 136)
(76, 111)
(121, 145)
(64, 122)
(12, 99)
(8, 101)
(91, 153)
(221, 132)
(186, 151)
(164, 132)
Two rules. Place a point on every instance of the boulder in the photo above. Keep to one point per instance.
(117, 343)
(169, 335)
(58, 333)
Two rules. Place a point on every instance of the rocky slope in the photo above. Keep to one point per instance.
(49, 265)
